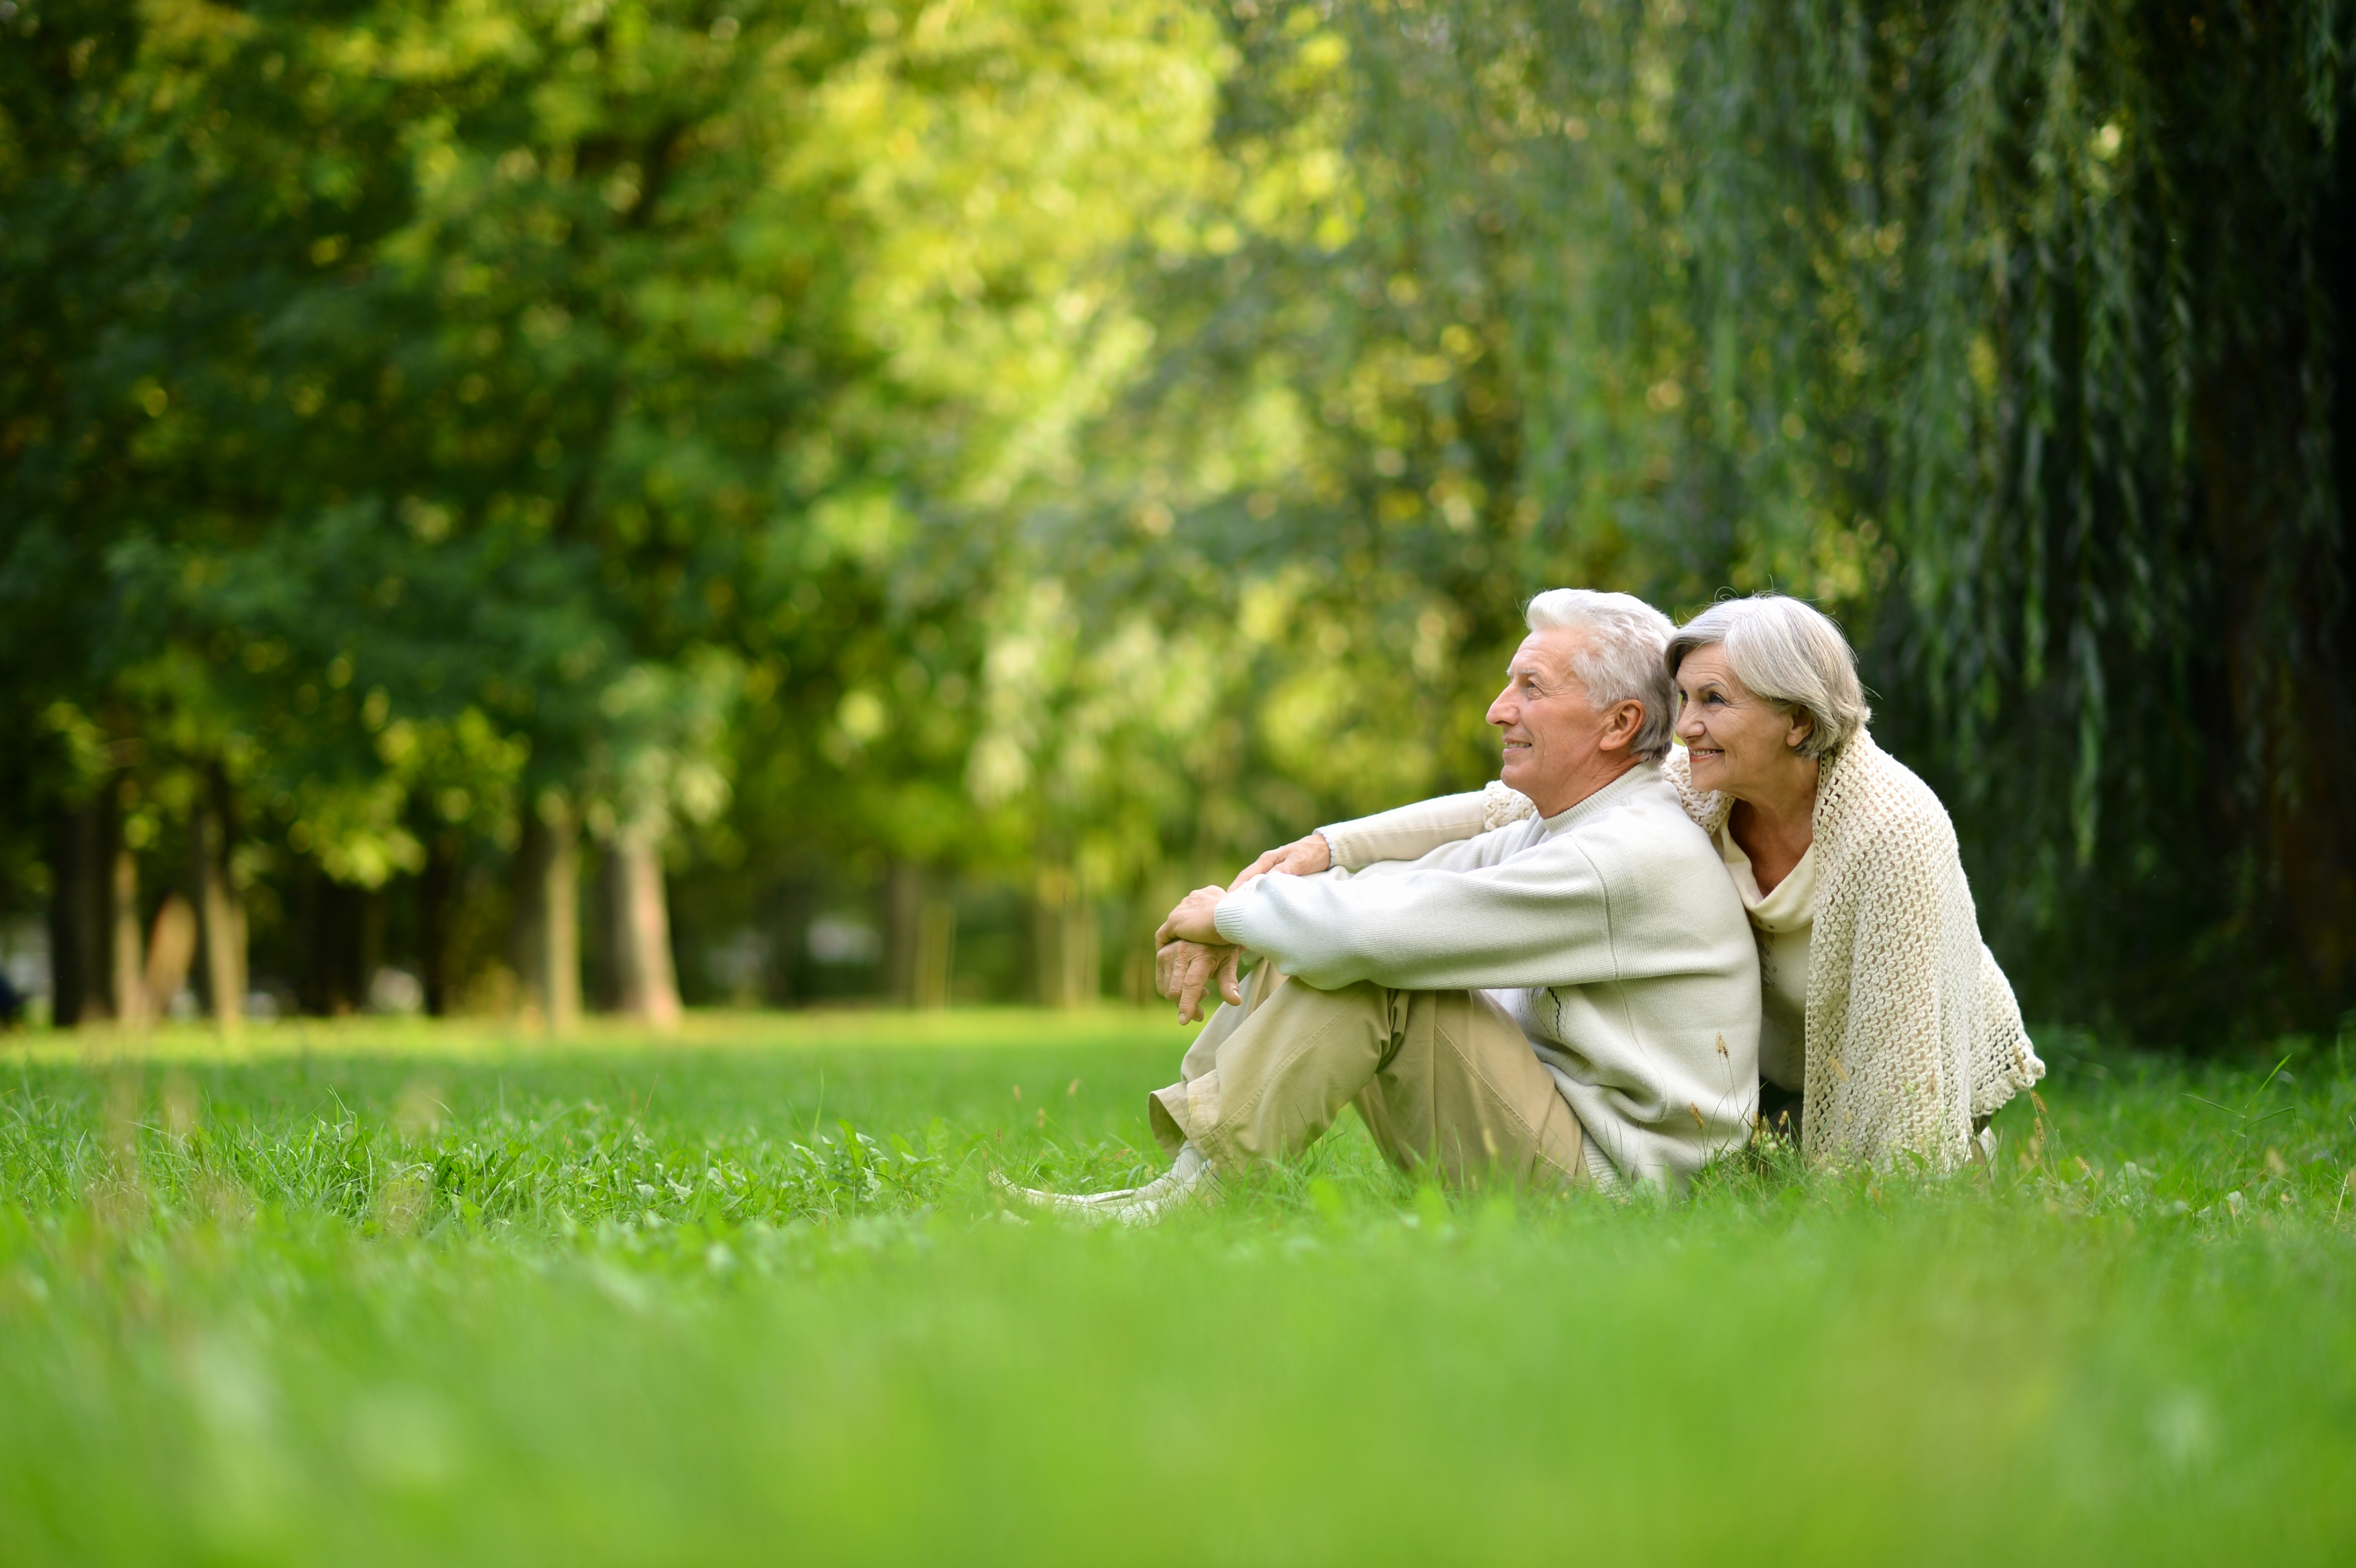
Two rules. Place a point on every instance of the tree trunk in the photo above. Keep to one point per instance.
(904, 897)
(127, 965)
(78, 968)
(1065, 929)
(171, 949)
(548, 914)
(936, 950)
(335, 975)
(919, 937)
(221, 913)
(788, 911)
(437, 893)
(647, 984)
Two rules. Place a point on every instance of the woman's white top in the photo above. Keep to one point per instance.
(1782, 919)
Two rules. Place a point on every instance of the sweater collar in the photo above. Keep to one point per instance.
(1610, 797)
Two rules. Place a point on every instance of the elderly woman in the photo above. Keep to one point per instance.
(1887, 1026)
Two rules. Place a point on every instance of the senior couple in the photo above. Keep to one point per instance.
(1590, 973)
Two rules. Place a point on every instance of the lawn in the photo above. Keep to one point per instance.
(383, 1292)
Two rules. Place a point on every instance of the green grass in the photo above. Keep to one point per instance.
(412, 1293)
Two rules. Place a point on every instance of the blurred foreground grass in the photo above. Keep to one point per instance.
(410, 1292)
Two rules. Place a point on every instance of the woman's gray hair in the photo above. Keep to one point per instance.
(1788, 652)
(1620, 659)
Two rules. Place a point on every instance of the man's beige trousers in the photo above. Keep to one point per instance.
(1441, 1079)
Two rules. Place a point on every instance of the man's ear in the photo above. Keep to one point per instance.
(1619, 726)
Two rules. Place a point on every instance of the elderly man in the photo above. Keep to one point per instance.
(1570, 999)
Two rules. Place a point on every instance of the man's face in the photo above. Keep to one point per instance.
(1551, 732)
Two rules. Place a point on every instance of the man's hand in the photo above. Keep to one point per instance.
(1186, 970)
(1302, 858)
(1188, 955)
(1193, 920)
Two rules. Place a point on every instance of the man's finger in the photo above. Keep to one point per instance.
(1170, 964)
(1207, 967)
(1179, 957)
(1190, 997)
(1202, 971)
(1230, 987)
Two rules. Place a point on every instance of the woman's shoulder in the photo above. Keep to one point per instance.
(1867, 795)
(1502, 803)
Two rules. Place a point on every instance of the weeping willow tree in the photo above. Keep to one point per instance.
(2014, 335)
(2052, 305)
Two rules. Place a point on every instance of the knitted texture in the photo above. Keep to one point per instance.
(1913, 1031)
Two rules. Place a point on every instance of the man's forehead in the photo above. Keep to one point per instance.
(1546, 653)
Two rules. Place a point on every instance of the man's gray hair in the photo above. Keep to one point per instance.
(1789, 653)
(1619, 660)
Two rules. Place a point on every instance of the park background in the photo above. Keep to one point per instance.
(512, 507)
(620, 523)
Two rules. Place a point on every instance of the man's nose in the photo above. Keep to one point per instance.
(1499, 713)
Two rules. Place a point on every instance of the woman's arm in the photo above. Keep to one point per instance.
(1411, 832)
(1901, 1073)
(2004, 1061)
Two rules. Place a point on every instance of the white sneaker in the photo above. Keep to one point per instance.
(1183, 1177)
(1040, 1197)
(1190, 1182)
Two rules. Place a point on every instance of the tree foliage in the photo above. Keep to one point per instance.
(2016, 335)
(1071, 443)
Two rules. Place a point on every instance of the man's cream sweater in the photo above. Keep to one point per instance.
(1608, 932)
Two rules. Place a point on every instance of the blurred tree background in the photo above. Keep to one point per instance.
(535, 504)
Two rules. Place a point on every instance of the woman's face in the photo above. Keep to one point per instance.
(1742, 744)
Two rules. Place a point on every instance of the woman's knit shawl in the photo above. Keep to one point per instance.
(1913, 1031)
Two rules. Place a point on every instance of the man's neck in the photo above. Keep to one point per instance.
(1605, 768)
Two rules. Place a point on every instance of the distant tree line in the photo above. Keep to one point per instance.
(535, 490)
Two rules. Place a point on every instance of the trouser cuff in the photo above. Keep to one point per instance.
(1188, 1113)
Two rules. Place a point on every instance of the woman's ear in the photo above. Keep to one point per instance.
(1804, 724)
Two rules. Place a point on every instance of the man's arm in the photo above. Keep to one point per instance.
(1472, 914)
(1187, 969)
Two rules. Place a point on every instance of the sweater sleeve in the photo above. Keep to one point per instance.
(1465, 916)
(1411, 832)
